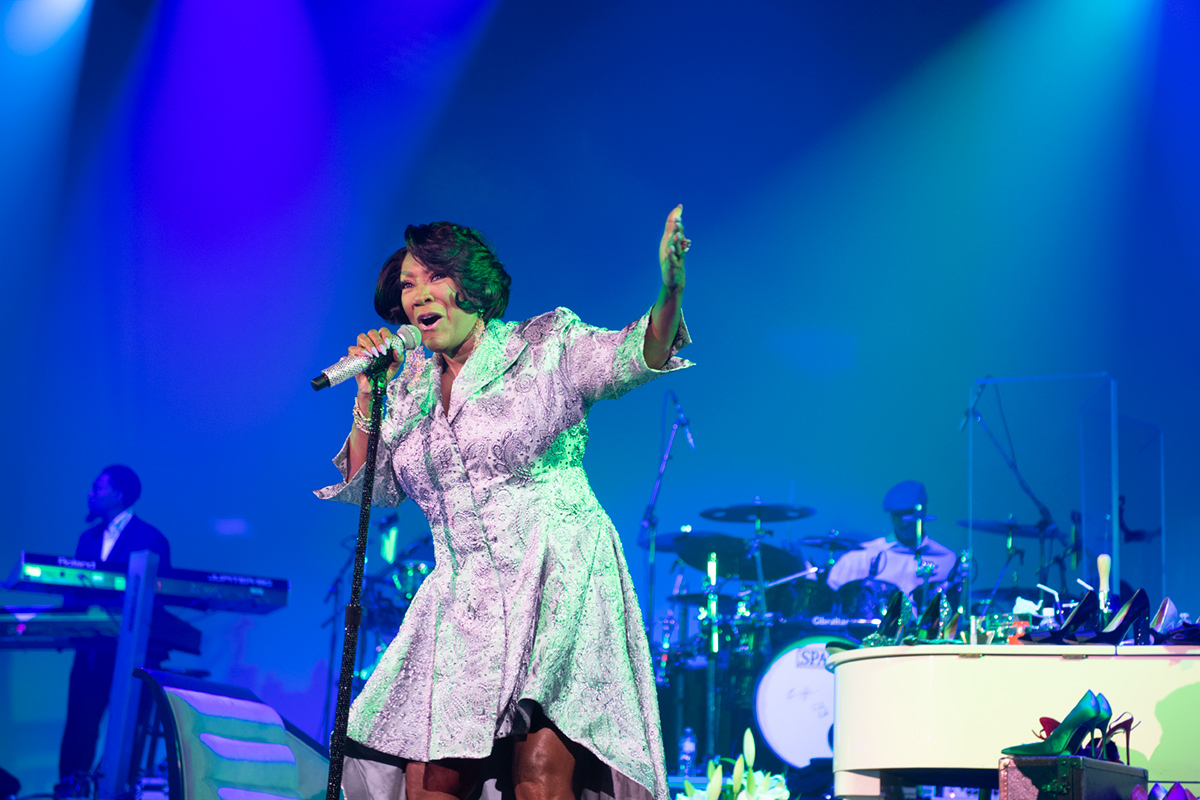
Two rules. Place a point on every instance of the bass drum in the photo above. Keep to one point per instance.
(793, 703)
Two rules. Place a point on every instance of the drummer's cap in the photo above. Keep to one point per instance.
(905, 496)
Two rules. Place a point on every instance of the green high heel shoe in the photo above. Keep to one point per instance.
(1091, 713)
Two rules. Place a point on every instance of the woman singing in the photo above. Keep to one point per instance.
(521, 666)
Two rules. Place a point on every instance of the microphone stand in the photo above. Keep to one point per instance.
(377, 373)
(649, 523)
(334, 593)
(649, 526)
(1046, 523)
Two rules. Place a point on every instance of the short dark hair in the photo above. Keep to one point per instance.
(460, 252)
(125, 481)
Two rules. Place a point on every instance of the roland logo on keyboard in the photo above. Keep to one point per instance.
(75, 563)
(239, 580)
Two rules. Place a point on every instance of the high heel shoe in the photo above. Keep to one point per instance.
(1165, 620)
(950, 629)
(1184, 633)
(1048, 726)
(1080, 618)
(1123, 724)
(1155, 792)
(929, 627)
(1179, 792)
(1134, 613)
(896, 618)
(1091, 713)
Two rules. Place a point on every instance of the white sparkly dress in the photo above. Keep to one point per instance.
(530, 600)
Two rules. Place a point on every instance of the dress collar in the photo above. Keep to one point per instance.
(495, 353)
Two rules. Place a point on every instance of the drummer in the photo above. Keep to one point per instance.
(893, 558)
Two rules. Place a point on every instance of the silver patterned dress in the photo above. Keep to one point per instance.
(530, 600)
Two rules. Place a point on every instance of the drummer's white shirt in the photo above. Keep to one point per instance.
(899, 568)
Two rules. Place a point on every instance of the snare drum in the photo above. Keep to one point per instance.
(793, 703)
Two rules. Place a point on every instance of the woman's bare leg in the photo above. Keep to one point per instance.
(450, 779)
(544, 766)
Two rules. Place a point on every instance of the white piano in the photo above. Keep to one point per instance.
(922, 713)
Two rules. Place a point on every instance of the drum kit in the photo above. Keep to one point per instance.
(761, 627)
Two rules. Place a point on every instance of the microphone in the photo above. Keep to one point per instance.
(975, 395)
(407, 337)
(683, 420)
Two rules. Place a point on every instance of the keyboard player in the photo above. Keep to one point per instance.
(117, 534)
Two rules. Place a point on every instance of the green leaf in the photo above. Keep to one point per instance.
(748, 748)
(738, 770)
(714, 783)
(688, 789)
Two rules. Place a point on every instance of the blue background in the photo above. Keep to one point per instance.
(889, 201)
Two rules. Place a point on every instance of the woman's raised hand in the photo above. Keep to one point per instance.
(666, 313)
(374, 343)
(671, 250)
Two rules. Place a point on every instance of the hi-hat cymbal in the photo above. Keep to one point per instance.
(1005, 528)
(835, 543)
(763, 512)
(726, 604)
(732, 558)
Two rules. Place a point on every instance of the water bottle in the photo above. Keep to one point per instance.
(687, 752)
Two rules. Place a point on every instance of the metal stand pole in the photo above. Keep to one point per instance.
(714, 646)
(335, 594)
(650, 527)
(125, 692)
(764, 644)
(337, 741)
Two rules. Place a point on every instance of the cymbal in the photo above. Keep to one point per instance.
(764, 512)
(1005, 528)
(828, 543)
(732, 561)
(725, 603)
(668, 542)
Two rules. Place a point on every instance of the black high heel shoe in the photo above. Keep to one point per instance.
(929, 626)
(1186, 633)
(1135, 612)
(1082, 617)
(896, 618)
